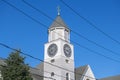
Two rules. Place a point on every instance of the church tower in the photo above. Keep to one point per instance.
(59, 52)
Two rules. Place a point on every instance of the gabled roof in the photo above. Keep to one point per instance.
(58, 22)
(37, 73)
(80, 72)
(111, 78)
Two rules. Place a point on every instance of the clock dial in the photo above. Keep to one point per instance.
(52, 50)
(67, 50)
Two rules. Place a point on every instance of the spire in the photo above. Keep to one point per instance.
(58, 22)
(58, 10)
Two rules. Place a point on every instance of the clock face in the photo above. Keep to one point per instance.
(52, 50)
(67, 50)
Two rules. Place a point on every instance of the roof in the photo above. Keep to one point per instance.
(112, 78)
(58, 22)
(2, 61)
(37, 73)
(37, 77)
(80, 71)
(41, 67)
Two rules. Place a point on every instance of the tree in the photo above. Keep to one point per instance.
(15, 68)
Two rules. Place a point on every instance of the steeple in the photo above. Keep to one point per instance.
(59, 51)
(58, 22)
(58, 29)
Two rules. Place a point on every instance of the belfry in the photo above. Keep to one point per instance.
(59, 52)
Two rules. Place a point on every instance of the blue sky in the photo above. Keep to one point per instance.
(19, 31)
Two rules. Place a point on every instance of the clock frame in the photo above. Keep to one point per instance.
(67, 50)
(52, 50)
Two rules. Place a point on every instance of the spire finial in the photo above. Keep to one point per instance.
(58, 10)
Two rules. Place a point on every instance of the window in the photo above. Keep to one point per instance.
(67, 61)
(66, 30)
(53, 60)
(52, 74)
(53, 35)
(67, 76)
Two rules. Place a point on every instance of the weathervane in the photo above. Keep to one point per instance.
(58, 9)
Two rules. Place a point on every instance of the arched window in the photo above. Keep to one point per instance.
(67, 76)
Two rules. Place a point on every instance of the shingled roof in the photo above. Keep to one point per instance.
(37, 73)
(58, 22)
(111, 78)
(80, 72)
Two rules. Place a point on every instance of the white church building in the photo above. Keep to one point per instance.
(59, 57)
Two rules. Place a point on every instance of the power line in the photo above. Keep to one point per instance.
(59, 34)
(42, 25)
(6, 46)
(43, 76)
(90, 23)
(37, 70)
(72, 41)
(109, 50)
(35, 74)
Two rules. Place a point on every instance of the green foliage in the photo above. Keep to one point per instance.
(15, 68)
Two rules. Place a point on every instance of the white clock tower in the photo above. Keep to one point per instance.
(59, 52)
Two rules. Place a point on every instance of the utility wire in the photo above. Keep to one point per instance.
(39, 70)
(34, 74)
(109, 50)
(46, 27)
(59, 34)
(6, 46)
(43, 76)
(42, 25)
(90, 23)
